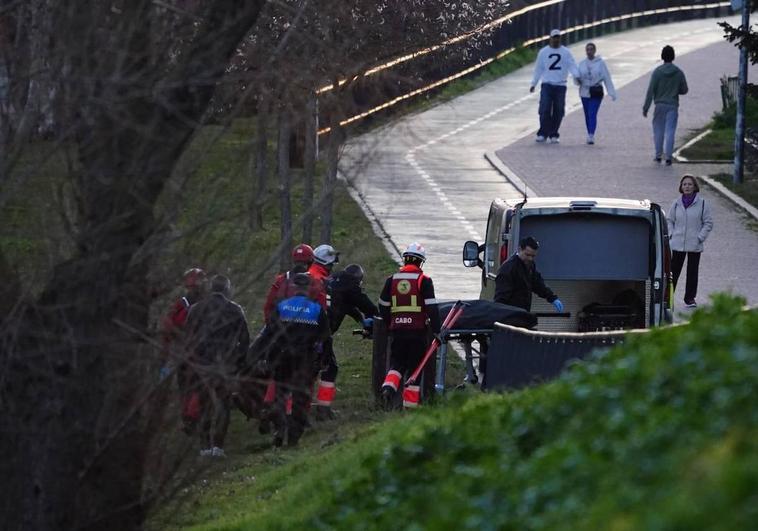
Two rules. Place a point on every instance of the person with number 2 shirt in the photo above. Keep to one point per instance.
(554, 64)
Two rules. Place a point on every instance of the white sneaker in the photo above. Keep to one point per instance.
(540, 139)
(217, 452)
(207, 452)
(590, 139)
(554, 140)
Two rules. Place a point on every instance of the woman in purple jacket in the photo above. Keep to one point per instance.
(689, 222)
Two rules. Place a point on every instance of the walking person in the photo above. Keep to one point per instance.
(666, 85)
(593, 74)
(409, 307)
(554, 64)
(218, 338)
(689, 222)
(299, 323)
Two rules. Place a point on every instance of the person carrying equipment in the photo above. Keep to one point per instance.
(408, 306)
(518, 278)
(348, 298)
(172, 336)
(324, 258)
(217, 339)
(297, 324)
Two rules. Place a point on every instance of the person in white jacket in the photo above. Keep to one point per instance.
(554, 64)
(689, 222)
(593, 74)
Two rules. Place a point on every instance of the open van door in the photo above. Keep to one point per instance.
(661, 311)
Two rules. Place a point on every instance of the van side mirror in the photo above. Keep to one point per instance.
(471, 251)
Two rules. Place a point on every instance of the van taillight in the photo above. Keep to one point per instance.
(667, 277)
(504, 253)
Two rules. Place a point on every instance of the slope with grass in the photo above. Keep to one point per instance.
(660, 433)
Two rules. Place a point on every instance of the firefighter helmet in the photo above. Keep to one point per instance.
(302, 253)
(415, 250)
(326, 255)
(194, 278)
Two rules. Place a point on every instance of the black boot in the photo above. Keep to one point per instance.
(388, 398)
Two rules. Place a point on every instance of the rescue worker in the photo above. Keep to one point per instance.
(408, 306)
(324, 258)
(218, 338)
(302, 259)
(348, 298)
(172, 342)
(518, 278)
(298, 324)
(281, 288)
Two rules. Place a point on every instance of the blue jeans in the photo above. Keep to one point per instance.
(665, 118)
(552, 109)
(591, 107)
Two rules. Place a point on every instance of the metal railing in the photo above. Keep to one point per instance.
(528, 26)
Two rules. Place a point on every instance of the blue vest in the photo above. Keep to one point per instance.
(299, 309)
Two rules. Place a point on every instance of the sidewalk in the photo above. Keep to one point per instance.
(620, 165)
(424, 177)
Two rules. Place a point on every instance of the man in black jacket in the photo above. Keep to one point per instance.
(218, 339)
(518, 278)
(346, 298)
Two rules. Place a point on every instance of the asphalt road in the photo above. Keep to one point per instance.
(425, 178)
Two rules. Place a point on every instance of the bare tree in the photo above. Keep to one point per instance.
(285, 203)
(136, 79)
(309, 173)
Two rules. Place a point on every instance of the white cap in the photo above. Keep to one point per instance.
(555, 33)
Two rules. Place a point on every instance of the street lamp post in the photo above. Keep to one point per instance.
(739, 136)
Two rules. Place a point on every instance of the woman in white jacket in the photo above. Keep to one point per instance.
(690, 222)
(593, 74)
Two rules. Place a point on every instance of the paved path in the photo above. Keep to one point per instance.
(425, 177)
(620, 165)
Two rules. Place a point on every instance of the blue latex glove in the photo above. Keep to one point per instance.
(558, 305)
(164, 373)
(368, 322)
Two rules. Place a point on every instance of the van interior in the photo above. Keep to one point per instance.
(599, 265)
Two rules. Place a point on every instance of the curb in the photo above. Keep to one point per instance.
(731, 196)
(510, 175)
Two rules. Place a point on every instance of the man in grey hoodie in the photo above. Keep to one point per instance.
(666, 84)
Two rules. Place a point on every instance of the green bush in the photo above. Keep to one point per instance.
(660, 433)
(727, 119)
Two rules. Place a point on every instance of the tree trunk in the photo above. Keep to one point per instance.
(336, 139)
(283, 155)
(259, 159)
(76, 365)
(309, 166)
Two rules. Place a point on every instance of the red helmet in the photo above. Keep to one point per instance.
(302, 253)
(194, 277)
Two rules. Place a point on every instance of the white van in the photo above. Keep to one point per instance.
(608, 260)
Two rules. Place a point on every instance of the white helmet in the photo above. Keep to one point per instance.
(325, 255)
(415, 250)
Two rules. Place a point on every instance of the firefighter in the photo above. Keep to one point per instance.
(408, 306)
(172, 341)
(298, 324)
(324, 259)
(217, 338)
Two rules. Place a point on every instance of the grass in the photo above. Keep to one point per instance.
(719, 143)
(659, 433)
(747, 190)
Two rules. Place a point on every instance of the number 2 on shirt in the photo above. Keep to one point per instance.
(555, 66)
